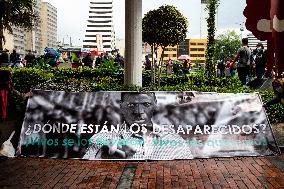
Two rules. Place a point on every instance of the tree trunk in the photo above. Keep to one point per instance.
(152, 65)
(160, 65)
(2, 39)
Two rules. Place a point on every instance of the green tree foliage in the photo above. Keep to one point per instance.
(163, 27)
(211, 27)
(18, 13)
(227, 45)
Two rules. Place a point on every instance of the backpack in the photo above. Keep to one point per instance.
(247, 61)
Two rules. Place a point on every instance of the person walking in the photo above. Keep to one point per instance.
(243, 58)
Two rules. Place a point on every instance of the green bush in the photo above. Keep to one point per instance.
(103, 79)
(25, 79)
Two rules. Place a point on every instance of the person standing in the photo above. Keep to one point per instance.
(169, 66)
(260, 60)
(30, 59)
(185, 67)
(147, 63)
(14, 57)
(88, 61)
(243, 58)
(4, 58)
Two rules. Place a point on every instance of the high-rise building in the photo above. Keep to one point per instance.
(43, 34)
(203, 22)
(49, 25)
(253, 41)
(100, 31)
(34, 37)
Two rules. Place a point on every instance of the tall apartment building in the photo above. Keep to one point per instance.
(100, 31)
(42, 35)
(49, 25)
(34, 37)
(253, 41)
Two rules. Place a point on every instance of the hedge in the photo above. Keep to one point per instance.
(104, 79)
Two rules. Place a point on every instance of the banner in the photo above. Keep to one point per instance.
(100, 45)
(145, 125)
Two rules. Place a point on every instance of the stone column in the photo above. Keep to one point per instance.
(133, 43)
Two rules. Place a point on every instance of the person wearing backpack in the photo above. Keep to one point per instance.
(243, 58)
(259, 55)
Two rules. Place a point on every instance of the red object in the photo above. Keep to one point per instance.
(5, 88)
(75, 65)
(257, 10)
(4, 103)
(277, 11)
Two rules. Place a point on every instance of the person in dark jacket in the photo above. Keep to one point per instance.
(88, 61)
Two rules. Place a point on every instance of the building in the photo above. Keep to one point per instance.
(203, 22)
(197, 50)
(100, 31)
(170, 53)
(42, 35)
(49, 25)
(253, 41)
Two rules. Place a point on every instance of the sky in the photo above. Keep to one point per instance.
(73, 14)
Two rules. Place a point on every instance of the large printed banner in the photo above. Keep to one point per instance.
(145, 125)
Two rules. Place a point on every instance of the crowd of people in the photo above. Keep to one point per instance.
(79, 59)
(249, 64)
(53, 58)
(171, 67)
(15, 60)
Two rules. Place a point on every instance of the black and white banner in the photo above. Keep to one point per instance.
(145, 125)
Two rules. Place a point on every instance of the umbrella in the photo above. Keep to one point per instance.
(184, 57)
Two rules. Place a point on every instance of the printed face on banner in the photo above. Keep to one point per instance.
(138, 108)
(145, 125)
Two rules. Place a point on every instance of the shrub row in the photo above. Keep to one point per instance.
(102, 79)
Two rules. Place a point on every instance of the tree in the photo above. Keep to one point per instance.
(18, 13)
(163, 27)
(227, 45)
(211, 27)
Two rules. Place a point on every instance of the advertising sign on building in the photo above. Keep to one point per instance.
(100, 45)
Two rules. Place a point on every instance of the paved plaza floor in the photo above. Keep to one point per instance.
(241, 172)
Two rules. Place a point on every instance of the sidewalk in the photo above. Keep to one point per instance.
(247, 172)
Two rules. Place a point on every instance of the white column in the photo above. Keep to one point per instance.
(133, 42)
